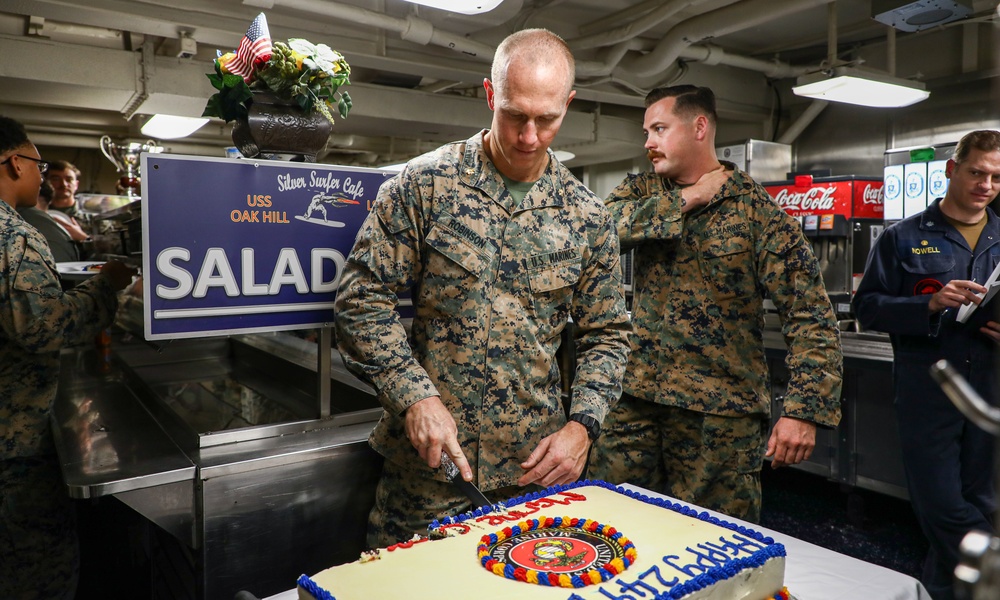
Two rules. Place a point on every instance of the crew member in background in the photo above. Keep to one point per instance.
(63, 248)
(920, 272)
(64, 178)
(38, 548)
(710, 243)
(500, 245)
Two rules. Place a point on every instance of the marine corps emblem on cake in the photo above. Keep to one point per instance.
(559, 551)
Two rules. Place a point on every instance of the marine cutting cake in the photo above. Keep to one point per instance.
(586, 541)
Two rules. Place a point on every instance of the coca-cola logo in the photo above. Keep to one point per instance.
(872, 195)
(815, 198)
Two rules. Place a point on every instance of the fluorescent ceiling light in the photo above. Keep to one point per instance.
(169, 127)
(865, 88)
(465, 7)
(564, 155)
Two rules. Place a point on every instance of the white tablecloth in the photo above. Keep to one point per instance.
(813, 572)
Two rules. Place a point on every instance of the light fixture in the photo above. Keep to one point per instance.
(862, 87)
(564, 155)
(169, 127)
(465, 7)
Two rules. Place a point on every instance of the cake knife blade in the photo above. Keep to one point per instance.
(466, 487)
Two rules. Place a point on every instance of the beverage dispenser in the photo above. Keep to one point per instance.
(841, 217)
(914, 178)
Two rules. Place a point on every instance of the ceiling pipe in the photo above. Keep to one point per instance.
(831, 34)
(419, 31)
(890, 51)
(970, 47)
(706, 53)
(411, 29)
(736, 17)
(805, 119)
(610, 58)
(631, 13)
(714, 55)
(817, 106)
(634, 28)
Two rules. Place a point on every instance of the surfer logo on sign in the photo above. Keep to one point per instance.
(319, 201)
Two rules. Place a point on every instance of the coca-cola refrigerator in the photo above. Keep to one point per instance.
(841, 217)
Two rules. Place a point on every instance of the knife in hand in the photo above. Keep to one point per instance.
(467, 487)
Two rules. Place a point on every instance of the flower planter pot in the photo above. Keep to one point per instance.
(278, 129)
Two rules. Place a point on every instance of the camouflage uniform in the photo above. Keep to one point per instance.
(494, 284)
(37, 536)
(697, 348)
(406, 502)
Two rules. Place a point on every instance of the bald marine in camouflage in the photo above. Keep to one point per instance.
(710, 243)
(38, 550)
(500, 246)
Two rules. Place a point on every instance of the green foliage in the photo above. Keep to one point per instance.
(311, 75)
(230, 102)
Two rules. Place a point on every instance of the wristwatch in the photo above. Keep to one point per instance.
(593, 427)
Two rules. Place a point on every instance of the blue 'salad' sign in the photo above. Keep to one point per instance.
(236, 245)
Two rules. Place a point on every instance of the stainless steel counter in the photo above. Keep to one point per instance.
(872, 346)
(108, 443)
(864, 450)
(218, 443)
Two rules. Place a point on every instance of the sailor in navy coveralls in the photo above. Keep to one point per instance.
(920, 272)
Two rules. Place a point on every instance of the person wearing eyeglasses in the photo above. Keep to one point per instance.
(38, 546)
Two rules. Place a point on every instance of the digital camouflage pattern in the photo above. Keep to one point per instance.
(493, 287)
(709, 460)
(37, 534)
(38, 544)
(698, 313)
(37, 319)
(406, 503)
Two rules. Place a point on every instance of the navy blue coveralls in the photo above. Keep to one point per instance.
(949, 461)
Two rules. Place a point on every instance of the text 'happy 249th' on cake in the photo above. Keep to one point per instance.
(584, 541)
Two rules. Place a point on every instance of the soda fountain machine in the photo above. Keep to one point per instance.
(841, 216)
(914, 178)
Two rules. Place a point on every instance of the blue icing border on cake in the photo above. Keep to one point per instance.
(313, 588)
(732, 568)
(698, 582)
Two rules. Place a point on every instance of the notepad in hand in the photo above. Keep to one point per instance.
(992, 287)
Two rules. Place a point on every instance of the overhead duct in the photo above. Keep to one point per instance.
(736, 17)
(634, 28)
(907, 15)
(411, 29)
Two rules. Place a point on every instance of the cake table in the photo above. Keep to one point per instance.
(811, 572)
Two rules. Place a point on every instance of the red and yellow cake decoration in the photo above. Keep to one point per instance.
(557, 551)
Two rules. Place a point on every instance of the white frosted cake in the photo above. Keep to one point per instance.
(585, 541)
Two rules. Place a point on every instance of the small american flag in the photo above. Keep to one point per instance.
(255, 45)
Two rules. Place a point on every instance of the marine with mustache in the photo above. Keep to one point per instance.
(710, 246)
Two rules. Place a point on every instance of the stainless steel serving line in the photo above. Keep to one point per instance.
(863, 451)
(218, 443)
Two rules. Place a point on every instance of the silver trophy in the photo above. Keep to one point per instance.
(125, 157)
